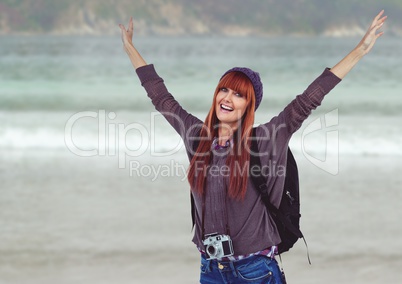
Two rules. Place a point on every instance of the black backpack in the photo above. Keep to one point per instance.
(287, 216)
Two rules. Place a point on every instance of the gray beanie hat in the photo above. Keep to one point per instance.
(255, 80)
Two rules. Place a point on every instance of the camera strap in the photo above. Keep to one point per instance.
(203, 214)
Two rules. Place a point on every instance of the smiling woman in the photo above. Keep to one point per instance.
(234, 95)
(230, 120)
(234, 231)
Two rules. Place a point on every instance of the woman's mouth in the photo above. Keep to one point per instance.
(226, 108)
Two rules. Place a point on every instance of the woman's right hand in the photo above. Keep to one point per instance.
(127, 38)
(127, 34)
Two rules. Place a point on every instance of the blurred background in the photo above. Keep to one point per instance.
(92, 180)
(187, 17)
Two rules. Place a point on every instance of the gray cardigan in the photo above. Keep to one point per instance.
(251, 226)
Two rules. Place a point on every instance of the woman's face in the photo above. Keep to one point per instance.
(230, 107)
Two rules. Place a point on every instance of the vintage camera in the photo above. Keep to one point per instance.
(218, 246)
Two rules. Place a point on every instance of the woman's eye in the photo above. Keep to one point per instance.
(239, 95)
(224, 89)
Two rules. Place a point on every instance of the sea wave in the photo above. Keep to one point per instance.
(134, 135)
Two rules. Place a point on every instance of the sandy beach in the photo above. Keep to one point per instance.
(83, 220)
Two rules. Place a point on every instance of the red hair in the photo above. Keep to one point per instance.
(240, 155)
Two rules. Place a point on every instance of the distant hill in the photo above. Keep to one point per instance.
(197, 17)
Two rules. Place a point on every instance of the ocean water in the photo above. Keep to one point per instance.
(74, 118)
(47, 80)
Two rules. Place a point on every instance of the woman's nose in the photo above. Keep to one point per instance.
(228, 95)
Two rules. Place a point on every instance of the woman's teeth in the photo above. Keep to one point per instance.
(226, 108)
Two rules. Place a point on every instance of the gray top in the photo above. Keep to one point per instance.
(251, 226)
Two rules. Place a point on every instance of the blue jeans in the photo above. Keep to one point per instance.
(253, 269)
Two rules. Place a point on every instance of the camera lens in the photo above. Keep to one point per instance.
(211, 250)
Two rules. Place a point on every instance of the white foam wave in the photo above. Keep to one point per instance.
(167, 143)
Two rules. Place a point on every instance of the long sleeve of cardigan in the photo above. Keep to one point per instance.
(300, 108)
(186, 125)
(281, 127)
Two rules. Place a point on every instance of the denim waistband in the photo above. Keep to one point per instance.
(269, 252)
(229, 265)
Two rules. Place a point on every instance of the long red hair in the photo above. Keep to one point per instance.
(240, 154)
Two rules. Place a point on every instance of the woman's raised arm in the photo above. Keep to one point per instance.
(132, 52)
(365, 45)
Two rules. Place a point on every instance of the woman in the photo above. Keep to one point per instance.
(234, 231)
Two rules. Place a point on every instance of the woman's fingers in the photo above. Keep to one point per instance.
(378, 20)
(122, 27)
(377, 23)
(373, 32)
(379, 26)
(381, 21)
(131, 24)
(127, 33)
(379, 15)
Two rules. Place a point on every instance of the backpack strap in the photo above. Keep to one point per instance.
(260, 183)
(192, 211)
(190, 156)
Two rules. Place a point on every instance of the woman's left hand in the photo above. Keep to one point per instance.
(372, 34)
(342, 68)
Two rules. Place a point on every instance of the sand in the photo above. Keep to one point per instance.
(69, 219)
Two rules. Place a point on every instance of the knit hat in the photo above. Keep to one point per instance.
(255, 80)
